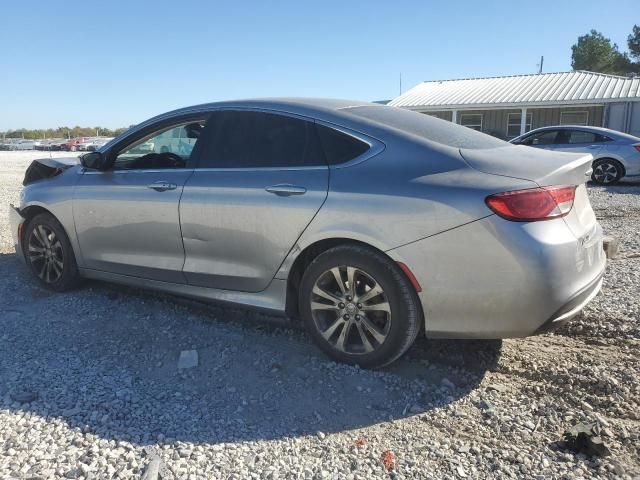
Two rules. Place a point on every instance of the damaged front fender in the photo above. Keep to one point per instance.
(47, 167)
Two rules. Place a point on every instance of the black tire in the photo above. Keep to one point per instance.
(401, 325)
(55, 249)
(607, 171)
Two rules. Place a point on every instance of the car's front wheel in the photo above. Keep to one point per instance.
(49, 254)
(359, 307)
(607, 171)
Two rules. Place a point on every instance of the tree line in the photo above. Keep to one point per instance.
(62, 132)
(596, 53)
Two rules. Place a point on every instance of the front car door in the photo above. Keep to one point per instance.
(126, 217)
(259, 182)
(544, 139)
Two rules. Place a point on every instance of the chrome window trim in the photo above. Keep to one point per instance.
(85, 171)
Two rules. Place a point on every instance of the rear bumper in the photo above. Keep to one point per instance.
(573, 307)
(16, 221)
(498, 279)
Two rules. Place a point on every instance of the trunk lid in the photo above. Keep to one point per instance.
(544, 167)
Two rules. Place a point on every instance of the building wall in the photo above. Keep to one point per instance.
(494, 122)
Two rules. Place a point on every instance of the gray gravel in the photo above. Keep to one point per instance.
(90, 386)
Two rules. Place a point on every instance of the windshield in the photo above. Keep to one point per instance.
(425, 126)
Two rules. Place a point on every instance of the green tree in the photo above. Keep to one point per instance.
(596, 53)
(633, 42)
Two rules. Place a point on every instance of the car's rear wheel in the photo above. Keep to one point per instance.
(49, 254)
(359, 307)
(607, 171)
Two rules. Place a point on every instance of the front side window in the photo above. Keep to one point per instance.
(247, 139)
(513, 124)
(543, 138)
(574, 118)
(473, 121)
(170, 147)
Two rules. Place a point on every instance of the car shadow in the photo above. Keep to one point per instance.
(103, 359)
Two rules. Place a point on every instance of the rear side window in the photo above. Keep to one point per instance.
(579, 136)
(245, 139)
(339, 147)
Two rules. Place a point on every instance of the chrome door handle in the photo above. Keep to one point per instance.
(285, 190)
(162, 186)
(593, 146)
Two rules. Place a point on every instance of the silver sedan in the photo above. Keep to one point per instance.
(615, 154)
(370, 223)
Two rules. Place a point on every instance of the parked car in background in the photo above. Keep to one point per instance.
(615, 154)
(72, 145)
(371, 223)
(97, 143)
(17, 144)
(57, 145)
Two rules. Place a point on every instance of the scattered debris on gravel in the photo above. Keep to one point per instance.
(90, 386)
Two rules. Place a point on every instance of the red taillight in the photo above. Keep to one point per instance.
(534, 203)
(637, 146)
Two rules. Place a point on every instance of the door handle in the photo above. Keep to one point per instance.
(593, 146)
(162, 186)
(286, 190)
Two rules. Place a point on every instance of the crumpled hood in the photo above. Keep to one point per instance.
(42, 168)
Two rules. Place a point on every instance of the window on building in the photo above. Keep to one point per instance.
(574, 118)
(513, 124)
(471, 120)
(440, 115)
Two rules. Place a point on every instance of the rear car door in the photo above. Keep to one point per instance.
(260, 180)
(127, 218)
(579, 141)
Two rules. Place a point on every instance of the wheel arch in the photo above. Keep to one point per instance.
(312, 251)
(611, 157)
(32, 210)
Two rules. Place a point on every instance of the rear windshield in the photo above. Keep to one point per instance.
(428, 127)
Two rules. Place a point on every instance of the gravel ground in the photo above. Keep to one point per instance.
(89, 386)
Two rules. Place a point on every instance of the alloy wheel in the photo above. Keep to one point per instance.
(605, 173)
(44, 251)
(350, 310)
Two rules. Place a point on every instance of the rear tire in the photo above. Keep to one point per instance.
(359, 307)
(49, 254)
(607, 171)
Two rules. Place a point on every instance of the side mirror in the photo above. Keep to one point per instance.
(93, 160)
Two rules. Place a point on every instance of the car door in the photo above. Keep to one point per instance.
(579, 141)
(259, 182)
(127, 217)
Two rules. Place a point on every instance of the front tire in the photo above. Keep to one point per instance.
(49, 254)
(607, 171)
(359, 307)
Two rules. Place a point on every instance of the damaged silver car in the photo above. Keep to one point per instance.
(368, 222)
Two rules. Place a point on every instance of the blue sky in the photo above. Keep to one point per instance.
(116, 63)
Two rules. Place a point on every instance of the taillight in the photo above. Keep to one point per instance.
(533, 204)
(637, 146)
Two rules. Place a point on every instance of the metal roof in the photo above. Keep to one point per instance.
(567, 88)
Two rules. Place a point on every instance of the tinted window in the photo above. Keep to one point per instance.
(242, 139)
(425, 126)
(578, 136)
(339, 147)
(543, 138)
